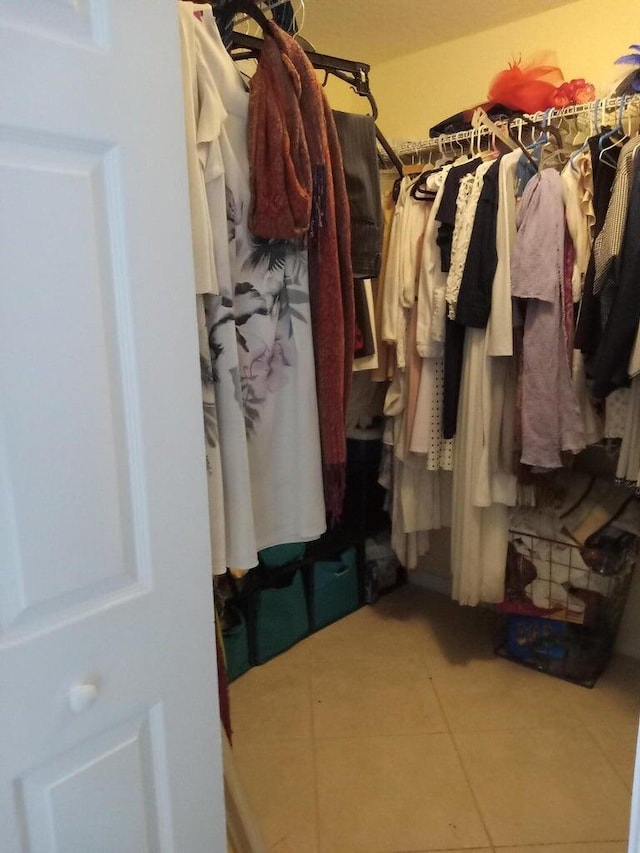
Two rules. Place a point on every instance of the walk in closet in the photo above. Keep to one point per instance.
(483, 558)
(320, 444)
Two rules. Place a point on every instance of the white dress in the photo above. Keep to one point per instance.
(426, 436)
(432, 282)
(261, 341)
(484, 484)
(206, 280)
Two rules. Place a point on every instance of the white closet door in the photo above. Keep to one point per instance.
(109, 740)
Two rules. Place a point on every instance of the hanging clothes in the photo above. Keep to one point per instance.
(589, 324)
(258, 330)
(357, 135)
(550, 415)
(454, 330)
(611, 362)
(484, 484)
(384, 371)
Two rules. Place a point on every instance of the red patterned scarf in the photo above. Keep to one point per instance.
(297, 184)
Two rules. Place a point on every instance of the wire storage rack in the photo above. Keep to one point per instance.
(563, 604)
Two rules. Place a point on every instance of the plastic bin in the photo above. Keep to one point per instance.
(279, 555)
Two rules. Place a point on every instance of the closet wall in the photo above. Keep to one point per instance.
(417, 90)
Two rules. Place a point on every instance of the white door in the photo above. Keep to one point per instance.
(109, 735)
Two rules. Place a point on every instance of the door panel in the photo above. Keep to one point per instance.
(122, 766)
(109, 735)
(69, 552)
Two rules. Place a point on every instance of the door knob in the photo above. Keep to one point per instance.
(82, 696)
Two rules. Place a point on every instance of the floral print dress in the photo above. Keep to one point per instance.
(258, 338)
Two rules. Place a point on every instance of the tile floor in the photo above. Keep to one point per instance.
(397, 729)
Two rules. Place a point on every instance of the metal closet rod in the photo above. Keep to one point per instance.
(321, 61)
(603, 104)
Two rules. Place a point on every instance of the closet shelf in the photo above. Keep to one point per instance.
(600, 106)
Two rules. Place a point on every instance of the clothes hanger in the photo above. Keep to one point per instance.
(585, 145)
(245, 7)
(605, 158)
(518, 140)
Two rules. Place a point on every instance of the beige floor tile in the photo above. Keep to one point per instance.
(279, 779)
(450, 636)
(374, 698)
(544, 786)
(385, 794)
(409, 623)
(619, 745)
(366, 634)
(459, 850)
(273, 700)
(498, 694)
(596, 847)
(615, 699)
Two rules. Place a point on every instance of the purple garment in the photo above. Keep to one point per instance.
(551, 419)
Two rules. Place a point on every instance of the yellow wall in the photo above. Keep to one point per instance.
(420, 89)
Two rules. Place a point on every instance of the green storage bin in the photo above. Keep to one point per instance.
(335, 588)
(280, 555)
(281, 617)
(236, 649)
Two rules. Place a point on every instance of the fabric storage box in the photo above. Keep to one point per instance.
(236, 648)
(335, 588)
(279, 555)
(281, 617)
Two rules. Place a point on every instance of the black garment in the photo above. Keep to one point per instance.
(474, 298)
(588, 329)
(357, 136)
(453, 356)
(446, 213)
(611, 363)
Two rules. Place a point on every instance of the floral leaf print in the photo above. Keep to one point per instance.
(206, 372)
(297, 297)
(243, 287)
(297, 315)
(237, 385)
(219, 312)
(210, 415)
(265, 374)
(233, 214)
(210, 424)
(269, 252)
(248, 302)
(216, 351)
(242, 341)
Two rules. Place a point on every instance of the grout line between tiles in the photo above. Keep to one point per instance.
(611, 763)
(314, 753)
(462, 764)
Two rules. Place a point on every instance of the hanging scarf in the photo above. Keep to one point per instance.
(297, 183)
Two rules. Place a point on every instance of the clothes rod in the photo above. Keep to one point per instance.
(321, 61)
(600, 106)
